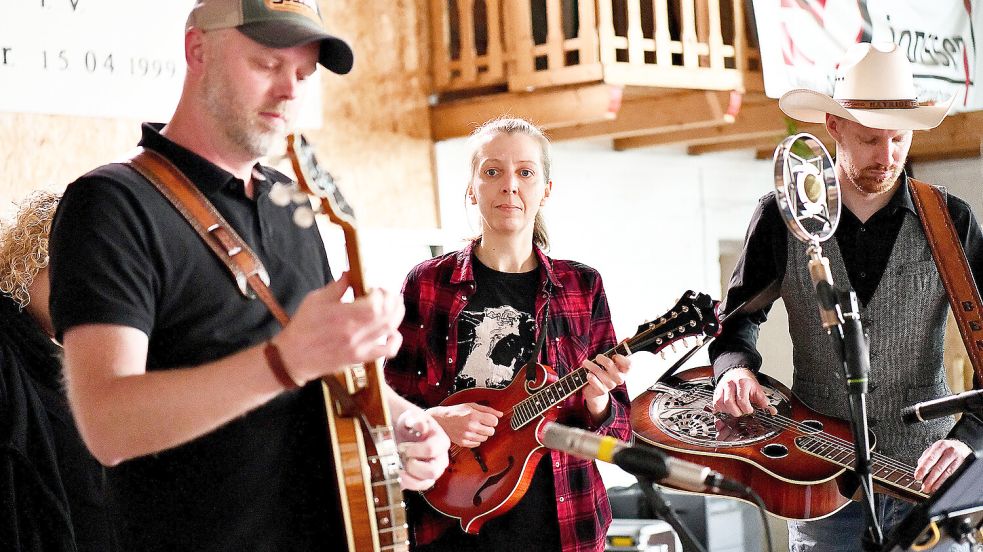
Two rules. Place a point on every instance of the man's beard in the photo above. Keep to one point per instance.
(867, 183)
(234, 120)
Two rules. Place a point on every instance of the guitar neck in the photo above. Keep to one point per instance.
(889, 473)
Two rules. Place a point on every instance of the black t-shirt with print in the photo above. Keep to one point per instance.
(496, 331)
(496, 336)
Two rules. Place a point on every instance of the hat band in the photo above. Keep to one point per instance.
(879, 104)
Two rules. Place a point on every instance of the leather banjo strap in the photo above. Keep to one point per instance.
(246, 268)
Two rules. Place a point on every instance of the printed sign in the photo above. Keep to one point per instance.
(100, 58)
(801, 42)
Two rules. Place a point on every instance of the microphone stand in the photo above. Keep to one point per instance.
(663, 510)
(840, 316)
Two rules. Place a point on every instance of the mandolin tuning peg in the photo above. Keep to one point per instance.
(662, 353)
(299, 197)
(673, 346)
(699, 341)
(280, 194)
(304, 216)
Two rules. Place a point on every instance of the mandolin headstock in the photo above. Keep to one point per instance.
(695, 314)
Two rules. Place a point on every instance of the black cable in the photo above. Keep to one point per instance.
(749, 493)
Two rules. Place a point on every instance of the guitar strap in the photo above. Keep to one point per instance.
(247, 270)
(245, 266)
(954, 269)
(534, 357)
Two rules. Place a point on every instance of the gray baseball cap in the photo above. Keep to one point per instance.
(277, 24)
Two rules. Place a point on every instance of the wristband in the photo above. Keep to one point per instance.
(279, 369)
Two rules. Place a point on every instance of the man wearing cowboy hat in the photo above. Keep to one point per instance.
(210, 416)
(881, 250)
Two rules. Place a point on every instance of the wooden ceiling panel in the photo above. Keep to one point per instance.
(548, 107)
(655, 114)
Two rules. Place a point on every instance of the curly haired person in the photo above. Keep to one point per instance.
(53, 489)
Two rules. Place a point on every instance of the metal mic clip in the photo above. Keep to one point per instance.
(822, 278)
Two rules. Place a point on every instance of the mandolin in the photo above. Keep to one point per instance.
(366, 460)
(798, 461)
(486, 481)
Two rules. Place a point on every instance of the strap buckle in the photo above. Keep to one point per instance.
(245, 270)
(242, 280)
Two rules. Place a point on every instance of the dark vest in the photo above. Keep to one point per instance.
(904, 324)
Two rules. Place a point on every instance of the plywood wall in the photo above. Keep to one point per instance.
(375, 138)
(376, 135)
(49, 151)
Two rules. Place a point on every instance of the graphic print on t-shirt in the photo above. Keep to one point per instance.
(498, 341)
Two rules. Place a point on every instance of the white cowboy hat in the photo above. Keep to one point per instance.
(873, 87)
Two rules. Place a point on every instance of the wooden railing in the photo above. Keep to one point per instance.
(552, 42)
(528, 44)
(467, 46)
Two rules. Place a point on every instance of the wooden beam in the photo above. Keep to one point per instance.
(959, 136)
(942, 155)
(767, 150)
(744, 143)
(674, 76)
(648, 115)
(760, 121)
(551, 108)
(913, 156)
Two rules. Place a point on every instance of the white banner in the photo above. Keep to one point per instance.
(801, 42)
(100, 58)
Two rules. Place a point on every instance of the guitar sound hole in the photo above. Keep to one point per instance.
(774, 450)
(812, 426)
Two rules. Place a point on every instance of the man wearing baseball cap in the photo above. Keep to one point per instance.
(277, 24)
(882, 252)
(209, 415)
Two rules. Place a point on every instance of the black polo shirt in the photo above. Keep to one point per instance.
(121, 254)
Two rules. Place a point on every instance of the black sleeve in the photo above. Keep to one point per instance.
(969, 430)
(103, 270)
(760, 266)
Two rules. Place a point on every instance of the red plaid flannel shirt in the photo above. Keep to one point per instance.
(435, 293)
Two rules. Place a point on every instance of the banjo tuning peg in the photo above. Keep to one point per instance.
(303, 216)
(280, 194)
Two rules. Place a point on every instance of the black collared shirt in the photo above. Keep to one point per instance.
(865, 248)
(121, 254)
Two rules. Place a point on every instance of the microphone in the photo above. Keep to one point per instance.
(637, 460)
(966, 401)
(811, 189)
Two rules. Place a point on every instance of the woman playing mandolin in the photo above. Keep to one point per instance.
(473, 320)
